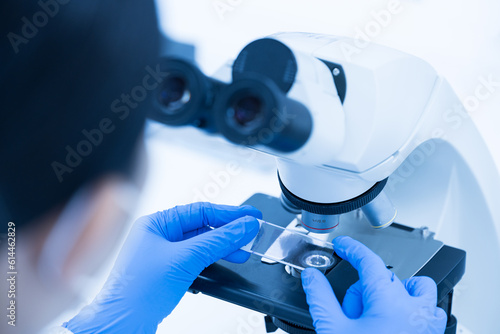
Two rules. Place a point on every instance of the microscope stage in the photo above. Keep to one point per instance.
(269, 289)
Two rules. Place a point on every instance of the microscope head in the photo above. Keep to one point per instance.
(339, 123)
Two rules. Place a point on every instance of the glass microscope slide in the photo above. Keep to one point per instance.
(290, 247)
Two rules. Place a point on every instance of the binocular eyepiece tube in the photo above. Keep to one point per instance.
(252, 110)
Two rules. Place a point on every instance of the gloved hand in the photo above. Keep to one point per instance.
(162, 256)
(379, 303)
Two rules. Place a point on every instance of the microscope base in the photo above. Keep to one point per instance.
(269, 289)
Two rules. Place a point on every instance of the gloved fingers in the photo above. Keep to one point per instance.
(423, 287)
(323, 305)
(442, 317)
(370, 267)
(177, 223)
(196, 232)
(353, 301)
(196, 215)
(206, 248)
(239, 256)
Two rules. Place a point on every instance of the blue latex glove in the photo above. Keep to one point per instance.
(379, 303)
(162, 256)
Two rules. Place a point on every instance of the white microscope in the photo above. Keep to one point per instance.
(364, 143)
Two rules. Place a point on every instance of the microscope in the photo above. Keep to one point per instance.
(360, 139)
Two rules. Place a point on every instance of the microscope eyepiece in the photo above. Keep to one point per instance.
(185, 95)
(257, 105)
(253, 110)
(246, 111)
(244, 107)
(174, 93)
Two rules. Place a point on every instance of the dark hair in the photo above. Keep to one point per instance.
(64, 66)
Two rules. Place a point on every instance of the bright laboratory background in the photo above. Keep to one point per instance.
(461, 39)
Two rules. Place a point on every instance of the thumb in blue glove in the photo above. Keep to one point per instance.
(379, 303)
(162, 256)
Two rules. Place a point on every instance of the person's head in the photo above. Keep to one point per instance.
(76, 78)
